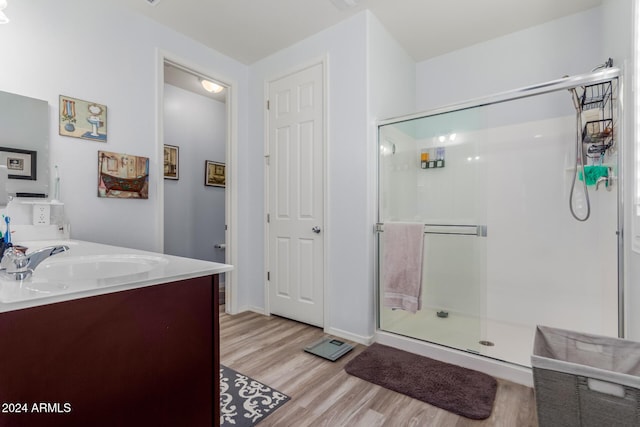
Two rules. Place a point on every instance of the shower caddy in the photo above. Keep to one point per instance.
(598, 135)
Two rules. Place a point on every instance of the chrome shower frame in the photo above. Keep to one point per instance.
(565, 83)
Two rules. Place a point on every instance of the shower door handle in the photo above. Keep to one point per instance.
(316, 229)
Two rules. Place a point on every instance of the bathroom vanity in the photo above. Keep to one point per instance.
(102, 335)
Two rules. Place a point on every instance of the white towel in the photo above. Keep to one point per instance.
(402, 266)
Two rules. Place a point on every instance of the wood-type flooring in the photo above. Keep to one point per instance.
(270, 349)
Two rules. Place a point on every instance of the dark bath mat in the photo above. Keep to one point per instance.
(459, 390)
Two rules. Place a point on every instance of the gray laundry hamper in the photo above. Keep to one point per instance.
(585, 380)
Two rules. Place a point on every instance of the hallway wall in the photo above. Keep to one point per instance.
(194, 214)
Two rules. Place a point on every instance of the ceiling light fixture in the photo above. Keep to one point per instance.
(3, 17)
(210, 86)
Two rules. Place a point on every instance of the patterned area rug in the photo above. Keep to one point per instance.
(244, 401)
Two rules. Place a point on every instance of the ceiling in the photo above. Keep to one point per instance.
(249, 30)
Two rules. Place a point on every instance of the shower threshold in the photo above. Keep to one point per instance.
(504, 341)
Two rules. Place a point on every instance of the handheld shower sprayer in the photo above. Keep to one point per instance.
(593, 96)
(576, 98)
(579, 158)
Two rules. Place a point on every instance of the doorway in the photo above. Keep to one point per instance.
(197, 192)
(296, 195)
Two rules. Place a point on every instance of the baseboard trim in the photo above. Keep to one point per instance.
(360, 339)
(254, 309)
(339, 333)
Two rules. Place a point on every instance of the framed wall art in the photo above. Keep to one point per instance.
(21, 164)
(83, 119)
(171, 162)
(123, 176)
(214, 174)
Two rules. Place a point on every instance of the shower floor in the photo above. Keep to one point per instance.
(511, 342)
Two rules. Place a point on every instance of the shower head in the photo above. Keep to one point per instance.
(607, 64)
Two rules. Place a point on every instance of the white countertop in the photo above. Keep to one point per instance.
(89, 269)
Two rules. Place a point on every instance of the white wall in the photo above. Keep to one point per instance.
(352, 49)
(618, 42)
(392, 75)
(391, 92)
(95, 51)
(48, 51)
(194, 214)
(541, 53)
(344, 48)
(567, 46)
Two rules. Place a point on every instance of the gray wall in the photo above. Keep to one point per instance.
(194, 214)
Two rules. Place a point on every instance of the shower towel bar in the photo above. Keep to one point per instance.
(456, 229)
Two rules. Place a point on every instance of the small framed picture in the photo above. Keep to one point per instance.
(21, 164)
(214, 174)
(171, 162)
(82, 119)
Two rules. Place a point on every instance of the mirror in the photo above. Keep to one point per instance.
(24, 143)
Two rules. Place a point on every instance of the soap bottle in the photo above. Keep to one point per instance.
(424, 158)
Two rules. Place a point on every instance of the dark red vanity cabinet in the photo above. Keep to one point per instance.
(140, 357)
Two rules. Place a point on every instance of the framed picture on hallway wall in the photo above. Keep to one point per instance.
(171, 162)
(214, 174)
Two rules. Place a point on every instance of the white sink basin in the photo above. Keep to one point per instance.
(64, 274)
(88, 269)
(95, 267)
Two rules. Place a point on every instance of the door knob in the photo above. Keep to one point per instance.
(316, 229)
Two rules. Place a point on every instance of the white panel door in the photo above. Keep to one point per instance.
(296, 167)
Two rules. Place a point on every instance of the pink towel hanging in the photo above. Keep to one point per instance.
(402, 266)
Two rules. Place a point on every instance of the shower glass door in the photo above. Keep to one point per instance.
(433, 171)
(502, 251)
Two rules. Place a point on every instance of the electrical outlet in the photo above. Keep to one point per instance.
(41, 214)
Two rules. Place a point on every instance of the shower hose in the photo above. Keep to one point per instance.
(579, 161)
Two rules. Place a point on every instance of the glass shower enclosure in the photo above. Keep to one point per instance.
(519, 198)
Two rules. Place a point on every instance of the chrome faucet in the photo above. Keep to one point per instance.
(19, 265)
